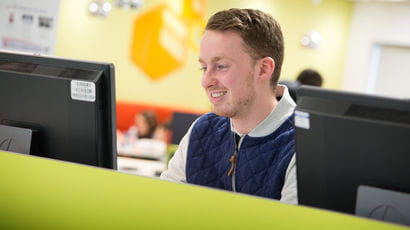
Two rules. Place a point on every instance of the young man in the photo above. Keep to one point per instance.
(246, 144)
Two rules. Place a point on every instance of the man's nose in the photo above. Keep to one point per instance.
(208, 79)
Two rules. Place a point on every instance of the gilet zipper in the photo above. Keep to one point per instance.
(232, 159)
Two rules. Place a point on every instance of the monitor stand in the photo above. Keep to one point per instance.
(382, 204)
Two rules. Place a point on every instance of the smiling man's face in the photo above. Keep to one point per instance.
(228, 73)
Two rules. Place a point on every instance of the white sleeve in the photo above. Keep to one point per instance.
(289, 190)
(176, 166)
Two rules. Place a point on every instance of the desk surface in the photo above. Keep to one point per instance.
(37, 193)
(140, 167)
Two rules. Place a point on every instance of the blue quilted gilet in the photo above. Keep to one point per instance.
(261, 162)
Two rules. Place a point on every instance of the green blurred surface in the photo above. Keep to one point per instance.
(171, 149)
(38, 193)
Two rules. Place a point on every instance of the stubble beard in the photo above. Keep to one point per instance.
(240, 107)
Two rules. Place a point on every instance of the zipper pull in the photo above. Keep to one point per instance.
(233, 163)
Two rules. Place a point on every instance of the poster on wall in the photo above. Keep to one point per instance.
(29, 26)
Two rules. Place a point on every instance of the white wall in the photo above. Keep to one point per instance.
(374, 23)
(394, 59)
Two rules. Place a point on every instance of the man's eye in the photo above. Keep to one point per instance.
(221, 67)
(202, 68)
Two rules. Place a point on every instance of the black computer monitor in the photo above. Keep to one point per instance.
(345, 140)
(68, 105)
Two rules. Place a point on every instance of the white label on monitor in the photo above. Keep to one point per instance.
(302, 120)
(83, 90)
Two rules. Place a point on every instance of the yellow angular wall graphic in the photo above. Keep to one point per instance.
(159, 42)
(161, 38)
(194, 12)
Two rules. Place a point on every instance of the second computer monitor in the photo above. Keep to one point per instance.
(345, 140)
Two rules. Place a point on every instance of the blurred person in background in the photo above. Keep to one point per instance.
(144, 138)
(305, 77)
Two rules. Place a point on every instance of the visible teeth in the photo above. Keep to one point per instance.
(218, 94)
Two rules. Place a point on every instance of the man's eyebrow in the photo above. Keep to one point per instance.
(213, 60)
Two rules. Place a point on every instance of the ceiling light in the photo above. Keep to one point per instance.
(129, 4)
(311, 39)
(100, 8)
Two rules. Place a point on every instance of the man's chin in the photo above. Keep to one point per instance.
(223, 113)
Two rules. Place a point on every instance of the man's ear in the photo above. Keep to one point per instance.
(266, 67)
